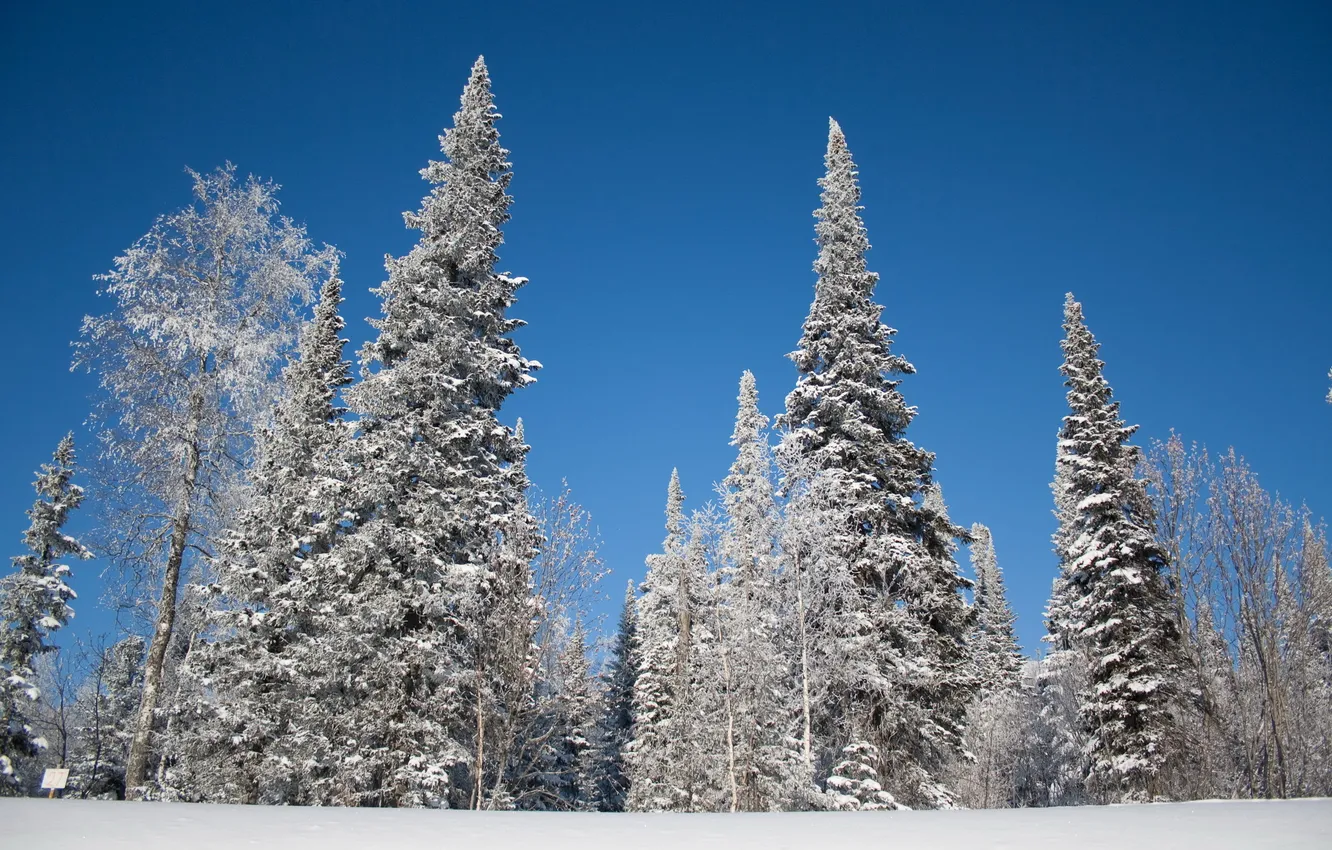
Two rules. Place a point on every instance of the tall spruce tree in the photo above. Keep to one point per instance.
(34, 603)
(1113, 598)
(847, 420)
(438, 485)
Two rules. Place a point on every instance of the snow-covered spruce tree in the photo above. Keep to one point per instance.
(847, 416)
(656, 698)
(615, 729)
(240, 711)
(1117, 606)
(565, 780)
(105, 711)
(998, 717)
(438, 495)
(34, 603)
(994, 642)
(207, 304)
(663, 759)
(758, 694)
(854, 785)
(1052, 765)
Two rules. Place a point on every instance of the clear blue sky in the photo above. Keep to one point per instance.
(1169, 163)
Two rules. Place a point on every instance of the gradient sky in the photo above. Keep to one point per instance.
(1168, 163)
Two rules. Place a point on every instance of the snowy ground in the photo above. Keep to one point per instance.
(150, 826)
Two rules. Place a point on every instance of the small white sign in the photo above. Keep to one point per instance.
(55, 777)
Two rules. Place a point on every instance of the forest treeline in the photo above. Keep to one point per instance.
(341, 589)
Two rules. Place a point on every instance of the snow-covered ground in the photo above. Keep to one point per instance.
(150, 826)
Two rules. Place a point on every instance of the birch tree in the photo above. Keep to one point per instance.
(205, 307)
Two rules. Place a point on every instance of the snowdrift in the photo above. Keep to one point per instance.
(149, 826)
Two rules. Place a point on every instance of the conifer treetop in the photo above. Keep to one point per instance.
(675, 530)
(846, 411)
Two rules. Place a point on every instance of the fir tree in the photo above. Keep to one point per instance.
(847, 420)
(615, 730)
(567, 771)
(994, 643)
(240, 744)
(854, 783)
(1117, 605)
(759, 698)
(438, 494)
(34, 603)
(663, 758)
(997, 717)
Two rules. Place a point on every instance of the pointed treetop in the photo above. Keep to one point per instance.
(1089, 393)
(749, 421)
(674, 512)
(1079, 345)
(840, 232)
(477, 89)
(64, 453)
(933, 500)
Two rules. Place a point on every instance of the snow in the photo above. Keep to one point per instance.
(1289, 824)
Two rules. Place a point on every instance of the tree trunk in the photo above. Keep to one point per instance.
(804, 679)
(727, 685)
(136, 766)
(479, 791)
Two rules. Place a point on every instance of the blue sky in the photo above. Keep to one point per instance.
(1166, 162)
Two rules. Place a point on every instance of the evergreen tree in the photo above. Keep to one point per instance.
(438, 487)
(994, 643)
(663, 762)
(34, 603)
(566, 780)
(1117, 605)
(242, 743)
(758, 695)
(854, 783)
(846, 419)
(615, 729)
(997, 718)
